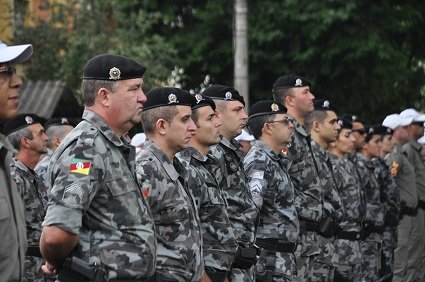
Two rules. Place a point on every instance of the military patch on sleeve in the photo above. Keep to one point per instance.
(257, 174)
(255, 187)
(80, 166)
(73, 194)
(394, 168)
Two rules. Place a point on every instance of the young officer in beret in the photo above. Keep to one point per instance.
(96, 214)
(27, 136)
(56, 129)
(294, 92)
(13, 242)
(219, 244)
(230, 175)
(323, 128)
(168, 126)
(273, 192)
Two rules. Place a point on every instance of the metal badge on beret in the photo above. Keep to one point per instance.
(371, 130)
(326, 104)
(228, 96)
(198, 98)
(389, 130)
(298, 82)
(172, 98)
(29, 120)
(340, 122)
(64, 121)
(275, 107)
(114, 73)
(354, 118)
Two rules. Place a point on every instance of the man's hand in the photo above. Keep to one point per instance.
(49, 270)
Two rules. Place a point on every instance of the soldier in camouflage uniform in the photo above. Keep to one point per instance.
(323, 128)
(96, 211)
(26, 134)
(13, 244)
(294, 92)
(219, 244)
(412, 149)
(405, 266)
(371, 242)
(168, 126)
(272, 191)
(56, 129)
(232, 179)
(347, 245)
(390, 198)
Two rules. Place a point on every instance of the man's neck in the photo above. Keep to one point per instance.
(170, 153)
(199, 147)
(316, 138)
(299, 118)
(28, 158)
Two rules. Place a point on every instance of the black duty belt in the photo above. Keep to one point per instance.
(275, 245)
(33, 251)
(421, 204)
(349, 235)
(409, 211)
(308, 225)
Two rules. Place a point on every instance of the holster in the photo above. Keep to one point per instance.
(245, 258)
(76, 270)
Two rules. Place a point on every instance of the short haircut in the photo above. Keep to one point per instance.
(220, 105)
(56, 131)
(15, 137)
(280, 95)
(151, 116)
(255, 124)
(314, 116)
(91, 86)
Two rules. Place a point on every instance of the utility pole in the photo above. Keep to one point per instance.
(240, 35)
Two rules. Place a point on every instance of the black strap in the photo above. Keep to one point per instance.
(421, 204)
(33, 251)
(276, 245)
(349, 235)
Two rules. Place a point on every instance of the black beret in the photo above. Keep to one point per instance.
(112, 67)
(374, 130)
(351, 117)
(223, 92)
(345, 123)
(20, 121)
(323, 105)
(58, 121)
(168, 96)
(202, 101)
(268, 107)
(290, 81)
(382, 130)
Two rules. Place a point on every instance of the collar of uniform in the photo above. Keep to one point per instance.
(29, 173)
(299, 127)
(103, 127)
(197, 155)
(415, 145)
(163, 159)
(266, 148)
(229, 144)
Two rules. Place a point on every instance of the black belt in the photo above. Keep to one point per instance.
(421, 204)
(409, 211)
(33, 251)
(349, 235)
(308, 225)
(275, 245)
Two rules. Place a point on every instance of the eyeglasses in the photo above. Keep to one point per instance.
(361, 131)
(8, 70)
(285, 120)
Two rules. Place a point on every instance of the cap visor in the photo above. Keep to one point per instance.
(15, 54)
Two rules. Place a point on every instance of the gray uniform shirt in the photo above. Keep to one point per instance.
(412, 149)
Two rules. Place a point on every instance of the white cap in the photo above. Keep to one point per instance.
(395, 120)
(245, 136)
(14, 54)
(421, 140)
(138, 139)
(414, 114)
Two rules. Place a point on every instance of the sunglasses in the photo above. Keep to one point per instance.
(285, 120)
(361, 131)
(8, 70)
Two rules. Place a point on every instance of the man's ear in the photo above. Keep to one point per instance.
(161, 126)
(315, 126)
(267, 129)
(24, 142)
(289, 101)
(103, 97)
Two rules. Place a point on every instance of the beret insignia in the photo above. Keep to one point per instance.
(198, 98)
(340, 123)
(228, 96)
(275, 107)
(29, 120)
(114, 73)
(172, 98)
(326, 104)
(298, 82)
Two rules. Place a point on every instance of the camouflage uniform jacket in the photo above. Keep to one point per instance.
(375, 211)
(219, 244)
(230, 175)
(304, 171)
(42, 166)
(390, 196)
(404, 176)
(273, 193)
(350, 193)
(412, 149)
(12, 220)
(93, 193)
(28, 188)
(177, 226)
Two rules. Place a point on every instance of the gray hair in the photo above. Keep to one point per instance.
(15, 137)
(91, 86)
(150, 117)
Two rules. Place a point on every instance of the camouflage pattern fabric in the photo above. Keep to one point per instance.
(94, 194)
(42, 166)
(219, 244)
(13, 244)
(27, 184)
(285, 269)
(349, 255)
(242, 210)
(273, 193)
(177, 226)
(304, 169)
